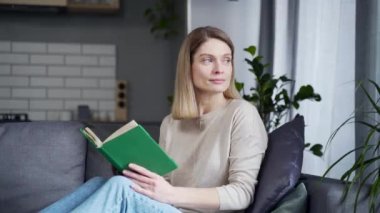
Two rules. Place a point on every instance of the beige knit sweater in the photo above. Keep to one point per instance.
(222, 149)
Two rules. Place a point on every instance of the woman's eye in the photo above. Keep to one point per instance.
(227, 61)
(207, 60)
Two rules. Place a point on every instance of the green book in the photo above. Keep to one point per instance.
(132, 144)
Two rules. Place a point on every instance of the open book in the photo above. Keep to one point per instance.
(131, 143)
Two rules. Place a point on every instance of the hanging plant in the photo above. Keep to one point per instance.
(163, 19)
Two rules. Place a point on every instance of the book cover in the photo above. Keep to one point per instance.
(132, 144)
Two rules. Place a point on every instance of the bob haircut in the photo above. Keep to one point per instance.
(184, 102)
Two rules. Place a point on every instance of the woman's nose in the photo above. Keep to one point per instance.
(218, 68)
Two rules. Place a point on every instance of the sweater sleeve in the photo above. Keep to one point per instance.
(163, 132)
(162, 138)
(247, 148)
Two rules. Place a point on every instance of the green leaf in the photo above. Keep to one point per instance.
(148, 12)
(258, 67)
(255, 98)
(247, 98)
(374, 105)
(316, 149)
(258, 58)
(283, 78)
(285, 97)
(170, 99)
(296, 105)
(251, 50)
(340, 159)
(356, 166)
(376, 85)
(363, 183)
(249, 62)
(267, 83)
(371, 126)
(317, 97)
(306, 92)
(239, 85)
(332, 136)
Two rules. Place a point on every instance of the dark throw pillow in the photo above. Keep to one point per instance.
(281, 167)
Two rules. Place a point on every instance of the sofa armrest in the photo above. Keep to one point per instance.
(325, 195)
(96, 164)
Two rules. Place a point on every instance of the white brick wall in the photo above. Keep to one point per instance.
(5, 69)
(107, 61)
(46, 81)
(49, 80)
(12, 58)
(46, 59)
(82, 60)
(64, 48)
(99, 71)
(28, 70)
(81, 82)
(28, 47)
(14, 81)
(5, 46)
(64, 71)
(28, 93)
(99, 49)
(5, 92)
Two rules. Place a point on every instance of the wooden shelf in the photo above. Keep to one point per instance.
(58, 3)
(91, 6)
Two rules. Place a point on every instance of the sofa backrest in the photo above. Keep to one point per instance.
(39, 163)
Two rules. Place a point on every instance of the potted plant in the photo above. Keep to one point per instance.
(163, 19)
(365, 170)
(271, 97)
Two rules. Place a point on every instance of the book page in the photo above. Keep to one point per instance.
(94, 138)
(130, 125)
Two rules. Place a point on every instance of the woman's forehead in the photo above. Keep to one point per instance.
(214, 47)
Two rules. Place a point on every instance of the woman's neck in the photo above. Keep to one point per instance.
(209, 103)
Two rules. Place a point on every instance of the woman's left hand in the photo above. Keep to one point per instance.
(150, 184)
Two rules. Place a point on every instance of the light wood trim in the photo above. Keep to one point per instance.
(62, 3)
(112, 6)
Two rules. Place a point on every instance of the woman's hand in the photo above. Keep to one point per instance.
(150, 184)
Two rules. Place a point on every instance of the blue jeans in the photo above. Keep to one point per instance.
(112, 195)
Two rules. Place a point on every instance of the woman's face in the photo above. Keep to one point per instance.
(212, 67)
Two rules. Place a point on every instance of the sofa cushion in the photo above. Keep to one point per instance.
(325, 195)
(40, 163)
(293, 202)
(281, 167)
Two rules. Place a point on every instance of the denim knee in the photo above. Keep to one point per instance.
(120, 181)
(96, 180)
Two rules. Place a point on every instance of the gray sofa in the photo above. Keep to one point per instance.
(41, 162)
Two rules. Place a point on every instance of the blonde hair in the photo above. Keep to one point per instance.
(184, 102)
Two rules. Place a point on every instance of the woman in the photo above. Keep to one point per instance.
(217, 139)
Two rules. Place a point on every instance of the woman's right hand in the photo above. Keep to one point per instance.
(150, 184)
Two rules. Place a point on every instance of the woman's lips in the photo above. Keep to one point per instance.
(217, 81)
